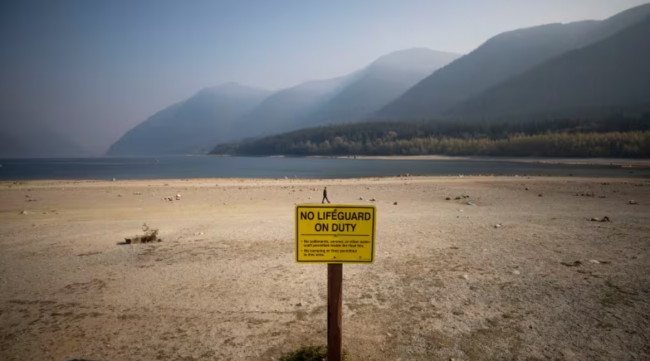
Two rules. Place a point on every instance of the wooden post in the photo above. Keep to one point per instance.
(334, 310)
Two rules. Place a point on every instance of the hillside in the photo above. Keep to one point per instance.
(23, 136)
(192, 126)
(380, 83)
(231, 111)
(284, 109)
(499, 59)
(612, 75)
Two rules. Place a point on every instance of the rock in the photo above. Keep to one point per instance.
(594, 261)
(633, 202)
(395, 203)
(360, 198)
(540, 195)
(470, 203)
(465, 276)
(114, 179)
(24, 212)
(605, 219)
(516, 272)
(574, 264)
(457, 198)
(527, 189)
(178, 197)
(448, 198)
(595, 219)
(373, 200)
(497, 226)
(602, 196)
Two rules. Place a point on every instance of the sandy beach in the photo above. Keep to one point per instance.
(522, 274)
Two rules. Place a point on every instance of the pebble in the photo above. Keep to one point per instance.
(178, 197)
(497, 226)
(373, 200)
(448, 198)
(395, 203)
(633, 202)
(360, 198)
(595, 219)
(594, 261)
(465, 276)
(516, 272)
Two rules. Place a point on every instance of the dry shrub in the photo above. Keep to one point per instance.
(309, 353)
(150, 235)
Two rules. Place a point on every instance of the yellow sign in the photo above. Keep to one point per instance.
(335, 233)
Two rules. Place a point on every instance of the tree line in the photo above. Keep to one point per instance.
(616, 136)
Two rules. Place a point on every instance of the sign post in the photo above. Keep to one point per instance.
(335, 234)
(334, 310)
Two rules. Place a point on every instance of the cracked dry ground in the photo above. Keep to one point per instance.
(548, 284)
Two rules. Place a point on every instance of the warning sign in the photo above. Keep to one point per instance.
(335, 234)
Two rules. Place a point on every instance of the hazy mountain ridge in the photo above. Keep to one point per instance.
(23, 136)
(500, 58)
(611, 75)
(191, 126)
(379, 83)
(547, 70)
(230, 112)
(284, 109)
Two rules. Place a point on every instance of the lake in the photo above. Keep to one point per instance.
(251, 167)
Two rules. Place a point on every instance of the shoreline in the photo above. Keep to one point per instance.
(620, 162)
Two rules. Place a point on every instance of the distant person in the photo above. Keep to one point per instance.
(325, 196)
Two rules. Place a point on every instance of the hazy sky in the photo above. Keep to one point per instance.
(97, 68)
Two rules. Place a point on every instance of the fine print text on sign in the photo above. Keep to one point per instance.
(335, 233)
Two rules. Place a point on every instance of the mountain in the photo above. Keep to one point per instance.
(378, 84)
(610, 76)
(499, 59)
(23, 136)
(11, 147)
(191, 126)
(284, 109)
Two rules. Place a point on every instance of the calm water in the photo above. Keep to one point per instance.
(236, 167)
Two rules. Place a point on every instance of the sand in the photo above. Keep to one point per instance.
(547, 284)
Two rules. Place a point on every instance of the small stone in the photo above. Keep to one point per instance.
(605, 219)
(448, 198)
(540, 195)
(595, 219)
(373, 200)
(457, 198)
(388, 334)
(178, 197)
(395, 203)
(497, 226)
(527, 189)
(360, 198)
(633, 202)
(24, 212)
(595, 261)
(516, 272)
(465, 276)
